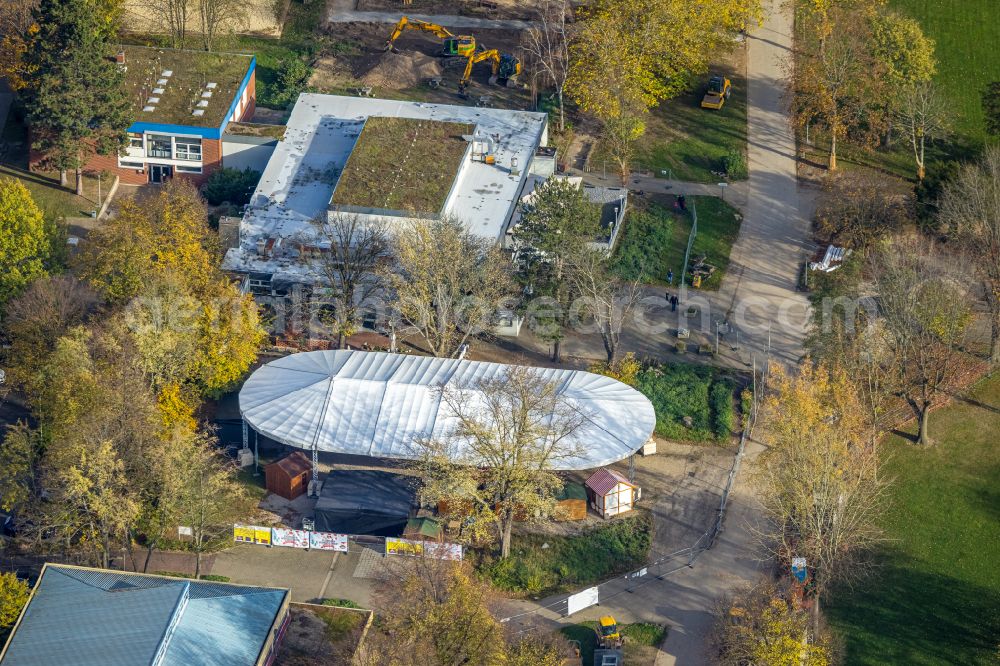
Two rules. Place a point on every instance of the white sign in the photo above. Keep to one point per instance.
(585, 599)
(328, 541)
(289, 538)
(184, 531)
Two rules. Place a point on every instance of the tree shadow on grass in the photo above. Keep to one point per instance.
(908, 615)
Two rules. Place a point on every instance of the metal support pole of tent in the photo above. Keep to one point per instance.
(631, 468)
(315, 470)
(256, 456)
(246, 438)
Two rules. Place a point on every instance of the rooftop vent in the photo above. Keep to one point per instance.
(167, 72)
(120, 58)
(207, 93)
(161, 82)
(153, 100)
(211, 85)
(203, 103)
(198, 112)
(157, 91)
(149, 108)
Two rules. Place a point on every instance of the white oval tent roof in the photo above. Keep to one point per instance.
(377, 404)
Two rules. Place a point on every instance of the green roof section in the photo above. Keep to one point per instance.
(168, 86)
(402, 164)
(571, 491)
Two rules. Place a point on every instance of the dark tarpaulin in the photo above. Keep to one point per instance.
(365, 502)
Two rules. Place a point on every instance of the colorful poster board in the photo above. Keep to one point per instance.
(289, 538)
(444, 551)
(252, 534)
(328, 541)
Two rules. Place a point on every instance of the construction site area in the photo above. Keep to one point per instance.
(416, 69)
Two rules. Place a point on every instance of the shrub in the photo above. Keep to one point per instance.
(291, 79)
(590, 557)
(677, 391)
(215, 578)
(735, 164)
(721, 407)
(626, 369)
(340, 603)
(230, 185)
(681, 346)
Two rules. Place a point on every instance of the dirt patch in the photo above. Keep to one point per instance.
(330, 73)
(396, 71)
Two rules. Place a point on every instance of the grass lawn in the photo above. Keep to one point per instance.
(966, 33)
(642, 641)
(655, 238)
(690, 142)
(936, 599)
(699, 392)
(615, 547)
(54, 201)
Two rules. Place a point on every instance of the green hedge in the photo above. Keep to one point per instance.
(615, 547)
(646, 241)
(340, 603)
(680, 390)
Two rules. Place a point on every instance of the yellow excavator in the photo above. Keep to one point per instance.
(451, 45)
(608, 634)
(506, 68)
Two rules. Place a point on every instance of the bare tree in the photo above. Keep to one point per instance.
(352, 250)
(970, 209)
(819, 478)
(511, 430)
(448, 283)
(604, 296)
(220, 15)
(922, 114)
(173, 15)
(859, 209)
(925, 308)
(547, 41)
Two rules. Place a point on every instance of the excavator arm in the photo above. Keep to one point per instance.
(454, 45)
(504, 66)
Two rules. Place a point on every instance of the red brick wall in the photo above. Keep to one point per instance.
(251, 99)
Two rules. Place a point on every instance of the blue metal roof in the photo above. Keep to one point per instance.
(91, 617)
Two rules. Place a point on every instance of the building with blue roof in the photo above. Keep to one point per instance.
(94, 617)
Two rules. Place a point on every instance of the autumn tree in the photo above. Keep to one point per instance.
(447, 282)
(924, 304)
(445, 620)
(165, 233)
(547, 42)
(832, 79)
(858, 210)
(76, 98)
(922, 114)
(510, 432)
(970, 211)
(18, 27)
(629, 55)
(14, 595)
(24, 244)
(605, 298)
(351, 252)
(209, 498)
(759, 625)
(819, 479)
(36, 319)
(557, 221)
(173, 16)
(904, 57)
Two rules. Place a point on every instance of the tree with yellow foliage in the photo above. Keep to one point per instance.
(758, 625)
(24, 244)
(819, 477)
(14, 594)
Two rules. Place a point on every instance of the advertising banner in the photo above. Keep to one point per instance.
(289, 538)
(242, 533)
(443, 551)
(262, 535)
(328, 541)
(395, 546)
